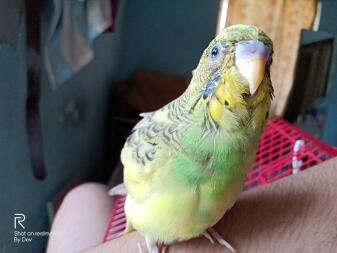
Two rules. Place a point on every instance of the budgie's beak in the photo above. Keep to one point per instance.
(250, 58)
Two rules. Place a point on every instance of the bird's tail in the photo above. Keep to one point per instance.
(119, 189)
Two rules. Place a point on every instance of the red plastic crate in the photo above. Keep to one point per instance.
(275, 155)
(275, 158)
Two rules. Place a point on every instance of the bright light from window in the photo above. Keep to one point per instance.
(222, 15)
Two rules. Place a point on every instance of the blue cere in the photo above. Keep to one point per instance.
(210, 87)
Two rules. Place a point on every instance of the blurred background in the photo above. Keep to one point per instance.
(74, 75)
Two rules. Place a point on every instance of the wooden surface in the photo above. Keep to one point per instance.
(295, 214)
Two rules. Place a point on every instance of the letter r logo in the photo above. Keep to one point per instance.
(18, 219)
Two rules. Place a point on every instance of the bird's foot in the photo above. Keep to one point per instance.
(152, 246)
(153, 249)
(209, 237)
(211, 234)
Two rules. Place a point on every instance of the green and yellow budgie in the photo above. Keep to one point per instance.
(185, 164)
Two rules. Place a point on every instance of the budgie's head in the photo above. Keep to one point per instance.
(234, 73)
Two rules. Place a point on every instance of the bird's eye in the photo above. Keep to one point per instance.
(215, 51)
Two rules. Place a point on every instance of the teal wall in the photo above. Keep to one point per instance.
(70, 146)
(167, 35)
(328, 16)
(328, 24)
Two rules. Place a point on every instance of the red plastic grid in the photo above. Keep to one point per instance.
(275, 159)
(275, 155)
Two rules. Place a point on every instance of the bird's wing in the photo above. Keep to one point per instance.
(148, 149)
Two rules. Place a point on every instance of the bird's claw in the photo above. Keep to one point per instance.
(212, 233)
